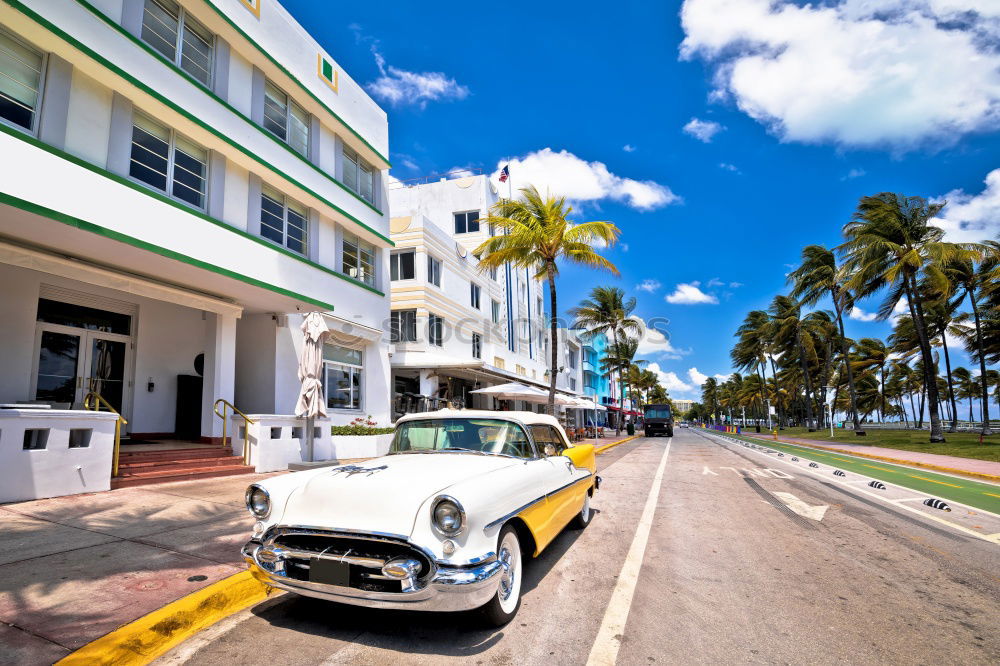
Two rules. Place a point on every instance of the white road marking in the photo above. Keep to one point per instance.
(708, 471)
(798, 506)
(980, 535)
(609, 638)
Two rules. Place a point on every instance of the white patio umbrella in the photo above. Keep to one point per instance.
(311, 402)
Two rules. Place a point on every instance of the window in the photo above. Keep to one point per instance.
(572, 383)
(475, 294)
(170, 163)
(496, 312)
(359, 175)
(467, 223)
(571, 358)
(285, 119)
(477, 345)
(283, 221)
(546, 434)
(171, 31)
(401, 265)
(493, 273)
(359, 259)
(342, 376)
(403, 326)
(20, 81)
(433, 271)
(491, 436)
(435, 330)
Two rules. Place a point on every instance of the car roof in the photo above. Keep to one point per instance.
(527, 418)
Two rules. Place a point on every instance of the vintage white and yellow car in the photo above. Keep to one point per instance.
(444, 522)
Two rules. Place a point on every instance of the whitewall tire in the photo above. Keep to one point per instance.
(502, 608)
(582, 519)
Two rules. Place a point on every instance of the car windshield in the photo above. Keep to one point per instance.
(657, 412)
(490, 436)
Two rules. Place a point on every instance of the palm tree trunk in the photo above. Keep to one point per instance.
(881, 395)
(807, 383)
(951, 388)
(913, 410)
(777, 407)
(618, 417)
(554, 336)
(917, 312)
(982, 364)
(845, 348)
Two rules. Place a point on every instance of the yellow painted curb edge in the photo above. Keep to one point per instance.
(145, 639)
(614, 444)
(896, 461)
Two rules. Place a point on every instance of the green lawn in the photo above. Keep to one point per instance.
(962, 445)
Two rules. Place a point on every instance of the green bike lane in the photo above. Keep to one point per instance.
(984, 496)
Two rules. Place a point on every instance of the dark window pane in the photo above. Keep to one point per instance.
(57, 364)
(68, 314)
(107, 371)
(15, 112)
(459, 223)
(406, 266)
(149, 158)
(473, 222)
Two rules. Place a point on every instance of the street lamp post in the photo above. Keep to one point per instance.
(828, 392)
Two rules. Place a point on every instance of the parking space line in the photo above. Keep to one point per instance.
(609, 638)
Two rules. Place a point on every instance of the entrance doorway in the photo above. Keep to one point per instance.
(79, 350)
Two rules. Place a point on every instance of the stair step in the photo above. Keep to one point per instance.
(175, 454)
(204, 473)
(158, 472)
(178, 465)
(137, 464)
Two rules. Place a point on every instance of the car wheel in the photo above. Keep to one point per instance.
(582, 519)
(502, 608)
(670, 433)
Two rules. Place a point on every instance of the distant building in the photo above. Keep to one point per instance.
(682, 406)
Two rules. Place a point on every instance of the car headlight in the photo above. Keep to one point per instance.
(258, 501)
(447, 515)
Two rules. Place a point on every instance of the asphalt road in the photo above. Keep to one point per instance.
(703, 551)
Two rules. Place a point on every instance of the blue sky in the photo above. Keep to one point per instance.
(720, 135)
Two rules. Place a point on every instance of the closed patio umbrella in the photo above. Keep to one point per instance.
(311, 402)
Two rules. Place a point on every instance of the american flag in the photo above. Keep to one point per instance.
(504, 174)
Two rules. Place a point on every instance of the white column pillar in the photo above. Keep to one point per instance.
(220, 370)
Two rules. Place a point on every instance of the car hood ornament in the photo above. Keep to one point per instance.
(351, 470)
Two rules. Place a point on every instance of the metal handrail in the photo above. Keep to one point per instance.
(93, 402)
(226, 405)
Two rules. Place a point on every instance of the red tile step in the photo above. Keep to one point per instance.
(148, 467)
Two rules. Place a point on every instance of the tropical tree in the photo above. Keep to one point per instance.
(791, 337)
(873, 356)
(968, 388)
(751, 350)
(607, 311)
(536, 234)
(888, 244)
(619, 357)
(710, 398)
(819, 276)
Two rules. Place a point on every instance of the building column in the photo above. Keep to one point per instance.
(220, 370)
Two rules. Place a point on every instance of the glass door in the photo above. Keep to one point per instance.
(106, 376)
(58, 367)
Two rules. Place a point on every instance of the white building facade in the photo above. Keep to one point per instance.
(454, 327)
(182, 182)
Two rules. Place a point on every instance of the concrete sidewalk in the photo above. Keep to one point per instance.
(969, 466)
(75, 568)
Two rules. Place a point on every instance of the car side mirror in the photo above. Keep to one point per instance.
(549, 450)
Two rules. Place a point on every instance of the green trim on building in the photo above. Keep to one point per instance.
(48, 25)
(200, 86)
(149, 247)
(291, 76)
(180, 206)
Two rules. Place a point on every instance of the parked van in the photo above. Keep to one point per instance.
(658, 420)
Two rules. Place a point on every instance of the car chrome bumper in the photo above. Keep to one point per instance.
(449, 588)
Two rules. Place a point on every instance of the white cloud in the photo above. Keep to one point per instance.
(654, 339)
(730, 167)
(853, 173)
(858, 314)
(699, 378)
(715, 282)
(690, 294)
(628, 148)
(400, 87)
(564, 174)
(670, 380)
(853, 72)
(735, 285)
(649, 285)
(703, 130)
(623, 247)
(972, 217)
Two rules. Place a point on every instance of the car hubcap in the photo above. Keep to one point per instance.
(507, 578)
(510, 582)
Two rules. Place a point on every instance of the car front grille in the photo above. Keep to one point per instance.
(365, 555)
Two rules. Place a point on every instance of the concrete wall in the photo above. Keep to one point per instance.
(57, 469)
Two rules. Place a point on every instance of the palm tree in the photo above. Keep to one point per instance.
(962, 275)
(750, 352)
(819, 276)
(940, 314)
(873, 356)
(788, 325)
(607, 311)
(536, 234)
(620, 357)
(710, 397)
(889, 242)
(968, 388)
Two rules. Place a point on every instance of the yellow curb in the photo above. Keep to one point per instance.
(614, 444)
(145, 639)
(897, 461)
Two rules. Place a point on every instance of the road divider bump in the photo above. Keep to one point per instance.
(812, 464)
(781, 455)
(794, 459)
(937, 504)
(839, 472)
(877, 485)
